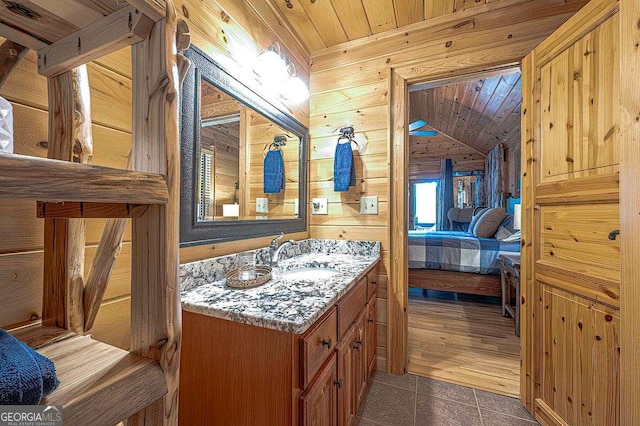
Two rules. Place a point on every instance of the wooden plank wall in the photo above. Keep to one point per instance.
(214, 28)
(350, 84)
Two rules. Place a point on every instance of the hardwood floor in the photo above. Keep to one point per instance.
(466, 342)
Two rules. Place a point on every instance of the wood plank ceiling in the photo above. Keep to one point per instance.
(479, 114)
(325, 23)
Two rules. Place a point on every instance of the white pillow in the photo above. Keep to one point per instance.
(512, 238)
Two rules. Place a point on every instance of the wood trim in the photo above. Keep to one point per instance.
(121, 28)
(575, 281)
(498, 71)
(397, 289)
(459, 282)
(89, 210)
(32, 178)
(603, 188)
(629, 212)
(546, 416)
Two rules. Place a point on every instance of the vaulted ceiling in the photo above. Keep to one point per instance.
(325, 23)
(480, 113)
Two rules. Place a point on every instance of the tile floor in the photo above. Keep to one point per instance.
(416, 401)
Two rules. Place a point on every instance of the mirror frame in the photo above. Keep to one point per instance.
(193, 232)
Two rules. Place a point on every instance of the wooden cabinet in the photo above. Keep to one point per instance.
(241, 374)
(318, 404)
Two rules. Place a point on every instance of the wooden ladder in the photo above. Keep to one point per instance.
(99, 383)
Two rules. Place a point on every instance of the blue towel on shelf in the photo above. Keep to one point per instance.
(273, 172)
(344, 171)
(25, 376)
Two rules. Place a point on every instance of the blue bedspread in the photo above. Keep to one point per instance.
(457, 251)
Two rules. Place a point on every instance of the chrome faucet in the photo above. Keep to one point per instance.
(275, 248)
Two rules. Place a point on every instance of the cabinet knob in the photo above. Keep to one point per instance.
(337, 383)
(370, 320)
(357, 345)
(374, 282)
(614, 234)
(326, 343)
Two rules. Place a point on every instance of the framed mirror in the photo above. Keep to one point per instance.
(243, 160)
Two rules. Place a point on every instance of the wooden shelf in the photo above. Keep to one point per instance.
(99, 383)
(43, 179)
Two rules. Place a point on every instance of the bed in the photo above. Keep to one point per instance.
(456, 261)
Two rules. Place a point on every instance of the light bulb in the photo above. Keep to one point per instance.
(271, 67)
(294, 90)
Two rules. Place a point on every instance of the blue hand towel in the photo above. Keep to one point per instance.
(25, 376)
(273, 172)
(344, 172)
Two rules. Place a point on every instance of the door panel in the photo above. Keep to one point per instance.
(580, 97)
(580, 369)
(571, 267)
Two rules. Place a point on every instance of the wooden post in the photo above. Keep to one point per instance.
(155, 298)
(69, 140)
(11, 54)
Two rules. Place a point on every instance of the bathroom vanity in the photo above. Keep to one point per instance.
(297, 350)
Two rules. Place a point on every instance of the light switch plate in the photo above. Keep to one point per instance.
(319, 206)
(262, 205)
(369, 205)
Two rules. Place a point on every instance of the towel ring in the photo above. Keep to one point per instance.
(347, 133)
(278, 141)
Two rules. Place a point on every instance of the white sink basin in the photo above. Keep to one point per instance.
(308, 273)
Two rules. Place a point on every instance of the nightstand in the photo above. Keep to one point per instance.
(510, 278)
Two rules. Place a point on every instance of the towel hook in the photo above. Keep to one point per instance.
(347, 132)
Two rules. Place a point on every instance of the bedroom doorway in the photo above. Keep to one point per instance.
(464, 142)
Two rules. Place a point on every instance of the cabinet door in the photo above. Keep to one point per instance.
(371, 336)
(318, 405)
(347, 392)
(360, 357)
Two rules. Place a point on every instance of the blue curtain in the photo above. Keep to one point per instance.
(445, 195)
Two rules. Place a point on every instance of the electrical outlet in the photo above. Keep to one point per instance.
(369, 205)
(262, 205)
(319, 206)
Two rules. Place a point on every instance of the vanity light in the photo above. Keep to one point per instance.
(271, 67)
(295, 91)
(277, 75)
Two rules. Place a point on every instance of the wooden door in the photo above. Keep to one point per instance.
(318, 405)
(571, 252)
(347, 392)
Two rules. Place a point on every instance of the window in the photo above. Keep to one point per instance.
(426, 204)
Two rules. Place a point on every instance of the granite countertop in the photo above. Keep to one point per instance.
(289, 305)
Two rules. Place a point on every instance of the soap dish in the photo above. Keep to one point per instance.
(263, 275)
